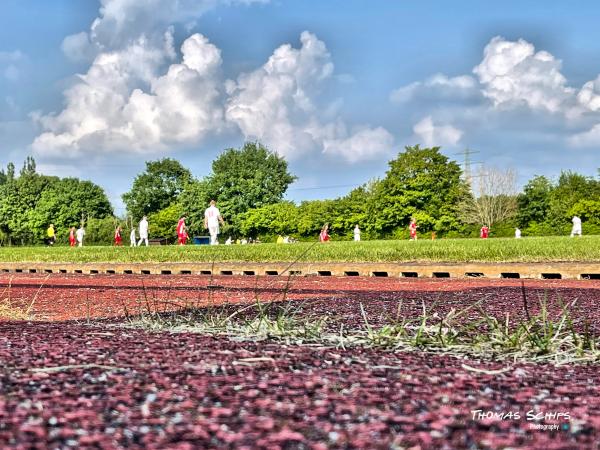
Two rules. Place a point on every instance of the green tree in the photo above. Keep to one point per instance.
(163, 224)
(533, 203)
(419, 180)
(571, 188)
(270, 220)
(156, 188)
(65, 201)
(241, 179)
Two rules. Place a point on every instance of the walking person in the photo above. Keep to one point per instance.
(51, 235)
(72, 236)
(412, 228)
(118, 237)
(517, 233)
(484, 233)
(576, 230)
(212, 218)
(79, 234)
(356, 233)
(324, 234)
(143, 231)
(182, 234)
(132, 238)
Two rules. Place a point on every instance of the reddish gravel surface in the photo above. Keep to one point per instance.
(68, 384)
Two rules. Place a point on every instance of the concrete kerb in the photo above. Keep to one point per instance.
(551, 270)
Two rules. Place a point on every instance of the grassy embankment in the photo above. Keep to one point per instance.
(543, 249)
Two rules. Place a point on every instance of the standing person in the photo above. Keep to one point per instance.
(51, 235)
(181, 231)
(212, 217)
(412, 228)
(72, 236)
(576, 230)
(484, 232)
(143, 231)
(79, 234)
(356, 233)
(132, 238)
(118, 237)
(324, 234)
(517, 233)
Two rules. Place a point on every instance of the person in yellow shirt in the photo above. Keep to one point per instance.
(51, 235)
(280, 239)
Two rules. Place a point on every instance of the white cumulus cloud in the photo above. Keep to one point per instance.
(120, 22)
(276, 104)
(109, 111)
(436, 135)
(512, 72)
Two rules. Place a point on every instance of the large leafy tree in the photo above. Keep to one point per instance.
(534, 201)
(156, 188)
(241, 179)
(570, 189)
(66, 202)
(270, 220)
(419, 181)
(18, 201)
(31, 201)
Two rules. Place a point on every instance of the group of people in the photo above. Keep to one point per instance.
(213, 220)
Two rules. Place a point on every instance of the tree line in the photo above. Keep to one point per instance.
(249, 185)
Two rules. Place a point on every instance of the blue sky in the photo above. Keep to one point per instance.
(95, 88)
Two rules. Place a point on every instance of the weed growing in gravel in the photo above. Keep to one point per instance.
(13, 310)
(471, 330)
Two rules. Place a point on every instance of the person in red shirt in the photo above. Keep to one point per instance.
(412, 228)
(485, 232)
(118, 237)
(324, 235)
(181, 231)
(72, 237)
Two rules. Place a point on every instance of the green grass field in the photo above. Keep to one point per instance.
(585, 249)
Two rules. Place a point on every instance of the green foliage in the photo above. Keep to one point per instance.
(99, 231)
(31, 202)
(250, 177)
(420, 180)
(65, 202)
(156, 188)
(534, 202)
(270, 220)
(587, 210)
(193, 202)
(571, 188)
(163, 224)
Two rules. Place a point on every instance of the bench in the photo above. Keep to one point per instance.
(158, 241)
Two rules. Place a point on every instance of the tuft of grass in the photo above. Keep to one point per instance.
(542, 337)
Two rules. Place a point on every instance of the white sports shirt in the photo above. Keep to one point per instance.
(212, 215)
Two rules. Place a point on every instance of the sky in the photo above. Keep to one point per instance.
(94, 88)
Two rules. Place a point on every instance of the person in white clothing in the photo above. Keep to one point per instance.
(79, 234)
(143, 231)
(356, 233)
(517, 233)
(132, 238)
(576, 230)
(212, 218)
